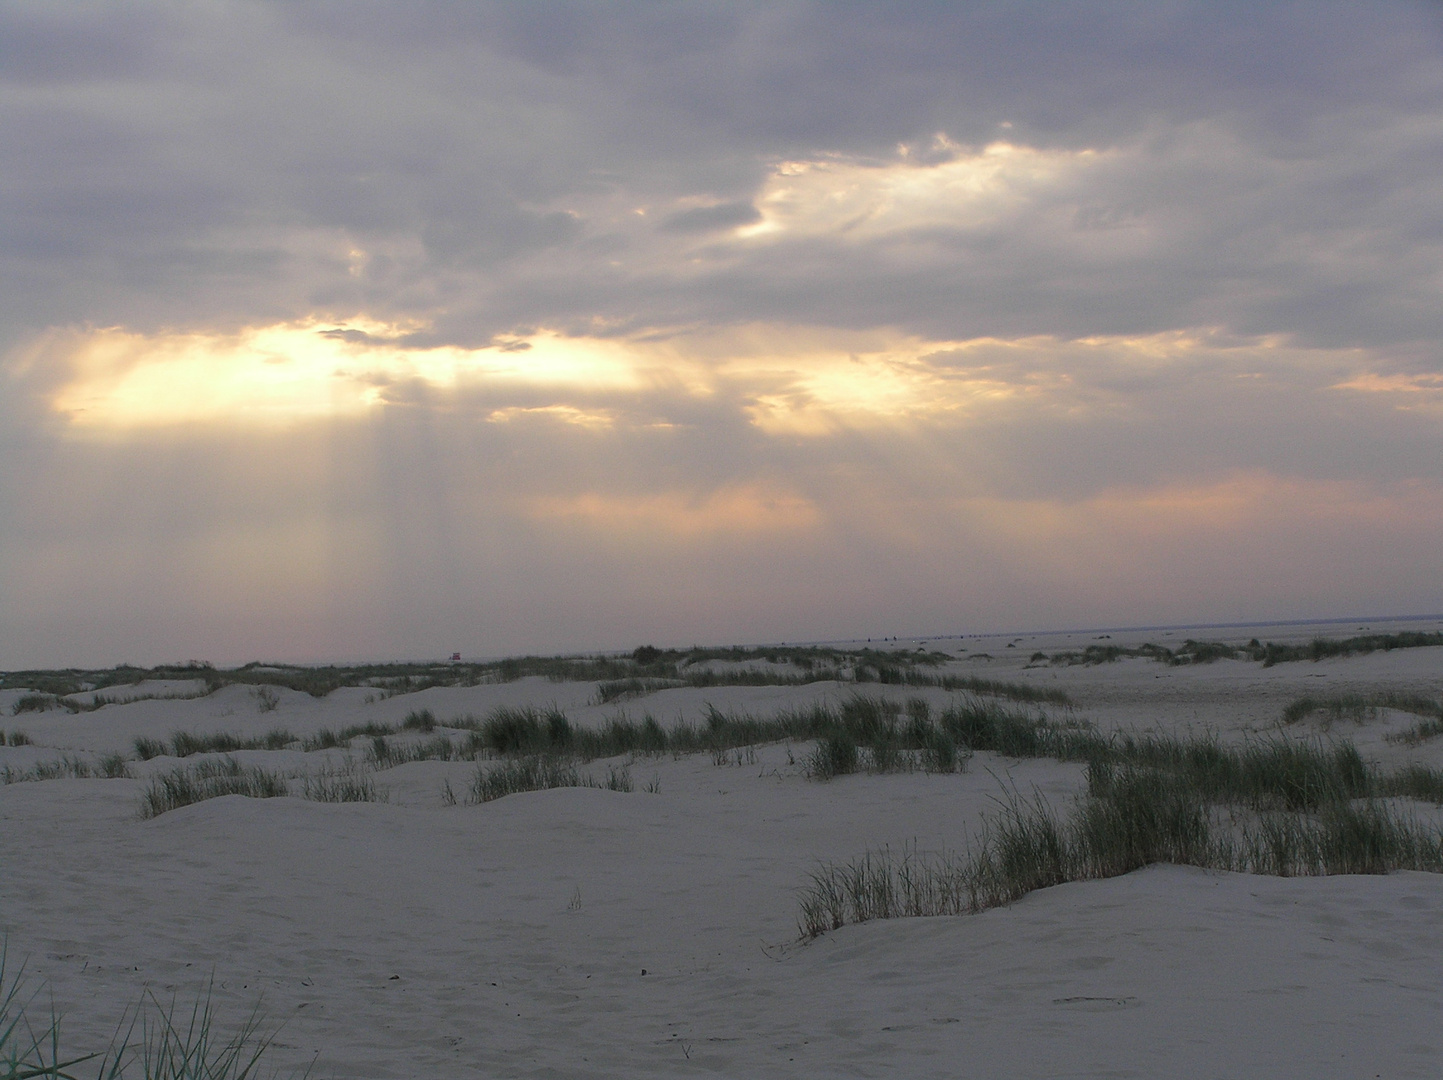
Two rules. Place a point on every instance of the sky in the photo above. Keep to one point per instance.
(336, 331)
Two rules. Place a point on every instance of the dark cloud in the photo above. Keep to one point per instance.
(228, 159)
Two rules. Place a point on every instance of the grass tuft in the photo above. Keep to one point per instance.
(184, 744)
(208, 780)
(1135, 818)
(539, 774)
(348, 783)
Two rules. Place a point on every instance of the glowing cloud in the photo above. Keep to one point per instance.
(949, 186)
(309, 370)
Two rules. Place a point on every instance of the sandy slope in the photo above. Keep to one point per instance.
(414, 939)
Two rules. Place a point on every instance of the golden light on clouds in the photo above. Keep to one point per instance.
(309, 370)
(784, 380)
(947, 185)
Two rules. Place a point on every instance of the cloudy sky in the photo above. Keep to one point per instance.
(342, 330)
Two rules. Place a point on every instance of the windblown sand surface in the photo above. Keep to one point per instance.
(576, 932)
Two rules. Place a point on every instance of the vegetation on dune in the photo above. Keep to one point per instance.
(1206, 652)
(1273, 806)
(345, 783)
(1138, 819)
(184, 744)
(1359, 707)
(540, 773)
(1363, 708)
(208, 780)
(154, 1041)
(644, 671)
(68, 767)
(648, 669)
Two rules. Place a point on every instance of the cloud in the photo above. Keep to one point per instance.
(702, 219)
(777, 320)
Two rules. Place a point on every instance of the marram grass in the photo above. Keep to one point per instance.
(155, 1041)
(208, 780)
(1132, 816)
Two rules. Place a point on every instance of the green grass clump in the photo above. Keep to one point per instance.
(27, 1051)
(526, 730)
(1324, 648)
(174, 1046)
(208, 780)
(1361, 708)
(1131, 818)
(34, 703)
(328, 739)
(15, 738)
(881, 736)
(1274, 773)
(1414, 782)
(539, 774)
(384, 753)
(422, 720)
(171, 1045)
(69, 767)
(1012, 691)
(620, 689)
(835, 755)
(349, 783)
(184, 744)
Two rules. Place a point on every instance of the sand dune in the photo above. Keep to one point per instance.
(579, 932)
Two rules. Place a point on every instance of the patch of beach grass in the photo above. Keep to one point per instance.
(184, 744)
(1361, 708)
(171, 1044)
(68, 767)
(28, 1051)
(1131, 818)
(1414, 781)
(345, 783)
(540, 773)
(208, 780)
(330, 739)
(386, 753)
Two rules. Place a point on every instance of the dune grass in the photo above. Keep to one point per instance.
(1324, 648)
(171, 1045)
(184, 744)
(1131, 817)
(42, 702)
(1270, 806)
(68, 767)
(14, 738)
(29, 1051)
(34, 703)
(1269, 654)
(345, 783)
(539, 773)
(1414, 782)
(208, 780)
(1360, 708)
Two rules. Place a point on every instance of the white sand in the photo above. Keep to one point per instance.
(413, 939)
